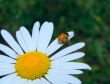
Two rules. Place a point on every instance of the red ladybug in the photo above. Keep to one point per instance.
(62, 38)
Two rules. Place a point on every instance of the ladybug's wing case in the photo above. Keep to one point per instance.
(59, 39)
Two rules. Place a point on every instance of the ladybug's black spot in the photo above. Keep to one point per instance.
(66, 33)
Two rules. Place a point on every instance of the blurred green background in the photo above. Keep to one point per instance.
(89, 19)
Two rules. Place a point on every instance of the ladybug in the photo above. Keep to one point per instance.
(63, 37)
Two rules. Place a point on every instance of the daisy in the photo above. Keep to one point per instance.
(32, 59)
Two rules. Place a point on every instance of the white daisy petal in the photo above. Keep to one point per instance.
(7, 79)
(71, 65)
(54, 80)
(44, 81)
(10, 40)
(27, 38)
(55, 45)
(21, 41)
(6, 65)
(69, 57)
(45, 35)
(64, 70)
(8, 51)
(68, 50)
(35, 33)
(6, 71)
(67, 71)
(6, 59)
(18, 80)
(72, 79)
(37, 81)
(67, 78)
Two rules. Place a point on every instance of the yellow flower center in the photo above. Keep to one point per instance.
(32, 65)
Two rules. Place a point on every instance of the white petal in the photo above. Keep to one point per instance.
(6, 59)
(67, 78)
(68, 71)
(72, 79)
(55, 45)
(68, 50)
(7, 79)
(45, 35)
(27, 38)
(35, 33)
(21, 41)
(6, 65)
(8, 51)
(44, 81)
(54, 80)
(69, 57)
(64, 70)
(37, 81)
(71, 65)
(18, 80)
(10, 40)
(6, 71)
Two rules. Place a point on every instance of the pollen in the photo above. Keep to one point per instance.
(32, 65)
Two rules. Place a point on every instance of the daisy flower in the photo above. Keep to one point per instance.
(32, 59)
